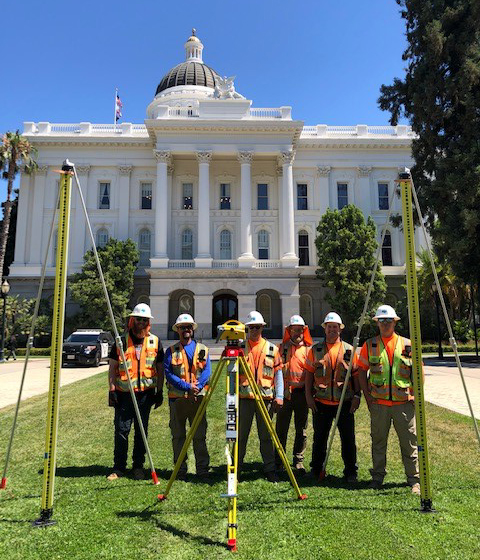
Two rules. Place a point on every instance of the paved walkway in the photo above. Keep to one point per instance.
(443, 385)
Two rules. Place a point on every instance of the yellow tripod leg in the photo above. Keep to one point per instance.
(415, 335)
(271, 430)
(193, 428)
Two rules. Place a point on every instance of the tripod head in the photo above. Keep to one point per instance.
(232, 331)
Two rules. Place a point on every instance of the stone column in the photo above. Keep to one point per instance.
(246, 258)
(37, 220)
(124, 201)
(289, 258)
(246, 303)
(160, 258)
(281, 208)
(203, 316)
(170, 237)
(323, 176)
(203, 258)
(79, 220)
(362, 191)
(22, 213)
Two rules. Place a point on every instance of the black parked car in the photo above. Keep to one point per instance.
(87, 347)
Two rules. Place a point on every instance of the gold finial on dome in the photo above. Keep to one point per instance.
(194, 37)
(193, 48)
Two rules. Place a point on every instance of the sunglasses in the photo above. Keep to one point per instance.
(185, 327)
(255, 327)
(388, 321)
(142, 319)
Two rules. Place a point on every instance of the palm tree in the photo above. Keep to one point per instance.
(14, 149)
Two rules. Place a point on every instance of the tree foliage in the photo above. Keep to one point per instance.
(119, 260)
(440, 96)
(346, 247)
(18, 318)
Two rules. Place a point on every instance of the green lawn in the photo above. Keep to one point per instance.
(99, 519)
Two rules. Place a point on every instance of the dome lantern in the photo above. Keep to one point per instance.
(193, 48)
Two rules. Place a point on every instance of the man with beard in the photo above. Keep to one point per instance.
(188, 369)
(327, 365)
(144, 356)
(293, 350)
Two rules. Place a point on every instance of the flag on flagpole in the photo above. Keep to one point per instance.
(118, 108)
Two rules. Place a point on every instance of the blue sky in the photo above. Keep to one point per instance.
(327, 59)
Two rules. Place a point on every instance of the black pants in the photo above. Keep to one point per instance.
(124, 417)
(322, 423)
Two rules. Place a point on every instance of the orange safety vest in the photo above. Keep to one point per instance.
(180, 368)
(292, 379)
(389, 383)
(264, 376)
(143, 371)
(328, 382)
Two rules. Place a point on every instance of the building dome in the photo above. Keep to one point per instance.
(190, 73)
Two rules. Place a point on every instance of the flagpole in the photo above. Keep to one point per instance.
(115, 111)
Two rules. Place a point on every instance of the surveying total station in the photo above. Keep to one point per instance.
(233, 358)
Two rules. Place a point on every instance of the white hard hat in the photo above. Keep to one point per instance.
(296, 320)
(333, 317)
(142, 310)
(184, 319)
(386, 312)
(254, 318)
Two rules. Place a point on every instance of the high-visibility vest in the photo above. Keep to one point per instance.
(181, 368)
(292, 379)
(264, 376)
(328, 382)
(385, 382)
(143, 371)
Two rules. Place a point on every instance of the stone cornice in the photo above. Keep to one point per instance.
(204, 156)
(163, 156)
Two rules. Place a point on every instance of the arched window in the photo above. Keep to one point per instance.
(225, 244)
(102, 238)
(187, 244)
(144, 247)
(303, 252)
(263, 244)
(387, 250)
(264, 306)
(306, 309)
(143, 299)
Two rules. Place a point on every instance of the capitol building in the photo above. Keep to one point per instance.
(221, 197)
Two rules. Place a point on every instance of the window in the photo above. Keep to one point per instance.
(187, 245)
(302, 202)
(102, 238)
(225, 244)
(104, 196)
(144, 245)
(342, 193)
(262, 196)
(264, 306)
(263, 244)
(146, 196)
(387, 250)
(225, 196)
(187, 196)
(303, 253)
(306, 309)
(383, 196)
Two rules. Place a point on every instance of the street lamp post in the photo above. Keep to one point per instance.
(5, 289)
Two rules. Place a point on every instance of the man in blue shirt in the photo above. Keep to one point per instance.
(187, 369)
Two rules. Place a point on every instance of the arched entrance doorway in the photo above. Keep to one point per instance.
(225, 307)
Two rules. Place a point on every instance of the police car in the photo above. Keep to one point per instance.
(87, 347)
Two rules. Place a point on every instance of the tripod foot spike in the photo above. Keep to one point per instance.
(161, 497)
(232, 545)
(3, 484)
(45, 519)
(155, 478)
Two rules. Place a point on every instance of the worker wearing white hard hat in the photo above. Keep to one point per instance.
(144, 354)
(266, 366)
(188, 369)
(327, 365)
(388, 390)
(293, 350)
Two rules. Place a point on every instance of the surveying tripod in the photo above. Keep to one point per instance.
(234, 359)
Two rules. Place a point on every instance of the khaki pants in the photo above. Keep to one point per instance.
(182, 410)
(403, 418)
(247, 410)
(296, 405)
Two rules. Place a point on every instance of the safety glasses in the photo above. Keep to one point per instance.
(142, 319)
(385, 320)
(185, 327)
(254, 327)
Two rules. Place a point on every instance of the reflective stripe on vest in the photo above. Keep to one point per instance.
(181, 368)
(146, 364)
(292, 379)
(264, 376)
(385, 382)
(327, 382)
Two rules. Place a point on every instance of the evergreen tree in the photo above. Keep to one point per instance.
(119, 260)
(440, 96)
(346, 247)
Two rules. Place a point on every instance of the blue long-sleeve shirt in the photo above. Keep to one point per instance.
(178, 383)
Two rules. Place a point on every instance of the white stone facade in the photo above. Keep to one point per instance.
(227, 213)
